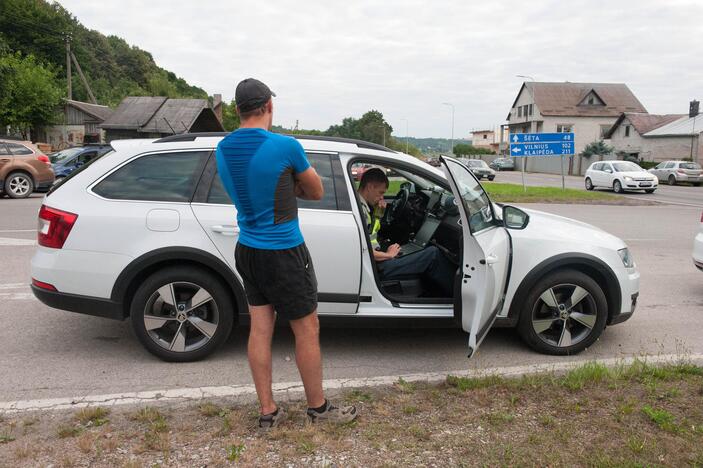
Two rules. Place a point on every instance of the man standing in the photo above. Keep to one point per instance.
(428, 262)
(263, 173)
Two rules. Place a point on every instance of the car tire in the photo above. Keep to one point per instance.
(491, 178)
(172, 330)
(649, 190)
(696, 184)
(588, 183)
(671, 180)
(19, 185)
(543, 328)
(617, 187)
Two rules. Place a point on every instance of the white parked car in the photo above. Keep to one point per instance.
(698, 247)
(620, 176)
(674, 172)
(147, 232)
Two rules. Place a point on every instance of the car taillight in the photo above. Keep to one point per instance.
(42, 285)
(43, 158)
(54, 226)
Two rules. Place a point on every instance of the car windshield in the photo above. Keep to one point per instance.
(476, 163)
(689, 165)
(62, 155)
(627, 167)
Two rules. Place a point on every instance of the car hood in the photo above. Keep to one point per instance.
(554, 227)
(635, 174)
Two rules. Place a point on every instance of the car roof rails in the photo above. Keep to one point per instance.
(193, 136)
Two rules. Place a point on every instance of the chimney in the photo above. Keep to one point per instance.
(693, 108)
(217, 106)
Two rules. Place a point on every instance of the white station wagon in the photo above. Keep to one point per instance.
(147, 232)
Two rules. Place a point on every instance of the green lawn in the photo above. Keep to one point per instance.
(514, 193)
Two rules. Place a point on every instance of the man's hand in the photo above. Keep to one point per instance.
(393, 251)
(308, 185)
(382, 204)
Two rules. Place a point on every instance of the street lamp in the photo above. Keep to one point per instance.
(524, 159)
(451, 147)
(406, 135)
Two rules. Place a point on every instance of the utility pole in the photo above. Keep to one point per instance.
(68, 66)
(451, 143)
(406, 136)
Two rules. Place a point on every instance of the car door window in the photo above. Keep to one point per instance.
(474, 199)
(4, 151)
(597, 167)
(323, 166)
(169, 177)
(670, 165)
(19, 150)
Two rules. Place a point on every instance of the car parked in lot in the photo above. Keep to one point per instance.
(502, 164)
(66, 161)
(480, 169)
(698, 247)
(24, 168)
(147, 232)
(675, 172)
(620, 176)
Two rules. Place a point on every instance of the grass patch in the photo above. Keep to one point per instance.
(662, 418)
(148, 415)
(405, 387)
(65, 431)
(5, 438)
(359, 395)
(514, 193)
(209, 409)
(472, 383)
(588, 373)
(92, 416)
(498, 418)
(234, 452)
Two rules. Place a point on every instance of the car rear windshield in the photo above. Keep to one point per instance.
(690, 166)
(626, 167)
(62, 155)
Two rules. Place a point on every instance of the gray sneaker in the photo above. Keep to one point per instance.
(269, 421)
(333, 414)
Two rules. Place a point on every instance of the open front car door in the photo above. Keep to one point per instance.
(486, 254)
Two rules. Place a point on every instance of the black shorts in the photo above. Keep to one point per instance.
(283, 278)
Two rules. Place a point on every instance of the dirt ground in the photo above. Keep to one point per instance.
(637, 415)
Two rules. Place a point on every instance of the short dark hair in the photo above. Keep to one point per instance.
(374, 176)
(244, 115)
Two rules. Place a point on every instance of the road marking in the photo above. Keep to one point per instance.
(291, 391)
(18, 296)
(10, 241)
(14, 285)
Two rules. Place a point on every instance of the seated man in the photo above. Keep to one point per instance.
(428, 262)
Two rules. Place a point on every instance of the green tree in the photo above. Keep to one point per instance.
(596, 148)
(463, 149)
(230, 118)
(29, 93)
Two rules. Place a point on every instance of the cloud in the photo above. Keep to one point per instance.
(329, 60)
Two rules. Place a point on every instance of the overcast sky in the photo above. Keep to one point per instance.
(327, 60)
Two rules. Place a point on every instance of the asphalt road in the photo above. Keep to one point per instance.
(50, 354)
(678, 194)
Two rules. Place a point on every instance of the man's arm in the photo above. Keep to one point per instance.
(390, 253)
(308, 185)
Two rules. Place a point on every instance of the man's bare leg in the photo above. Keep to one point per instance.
(308, 357)
(263, 319)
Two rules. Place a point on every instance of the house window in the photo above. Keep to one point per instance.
(519, 111)
(627, 131)
(530, 109)
(485, 137)
(564, 128)
(603, 130)
(591, 100)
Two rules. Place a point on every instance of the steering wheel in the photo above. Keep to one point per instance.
(398, 205)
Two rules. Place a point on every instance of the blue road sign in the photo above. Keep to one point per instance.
(542, 149)
(540, 137)
(541, 144)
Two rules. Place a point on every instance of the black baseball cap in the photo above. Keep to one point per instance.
(251, 94)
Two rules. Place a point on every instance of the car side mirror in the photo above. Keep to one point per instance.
(514, 218)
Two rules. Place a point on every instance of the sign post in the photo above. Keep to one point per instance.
(524, 145)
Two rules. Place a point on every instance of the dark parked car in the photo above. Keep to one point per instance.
(66, 161)
(502, 164)
(480, 169)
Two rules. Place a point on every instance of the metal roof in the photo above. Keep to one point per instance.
(94, 110)
(642, 122)
(685, 126)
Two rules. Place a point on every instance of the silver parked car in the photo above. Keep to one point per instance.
(480, 169)
(674, 172)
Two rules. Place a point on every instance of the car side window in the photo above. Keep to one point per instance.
(670, 165)
(4, 151)
(169, 177)
(85, 157)
(19, 150)
(597, 167)
(323, 166)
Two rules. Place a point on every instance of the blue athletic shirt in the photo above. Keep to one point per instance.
(257, 168)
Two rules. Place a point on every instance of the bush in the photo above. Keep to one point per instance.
(647, 164)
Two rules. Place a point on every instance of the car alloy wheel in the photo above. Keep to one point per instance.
(563, 313)
(182, 313)
(589, 184)
(617, 187)
(671, 180)
(19, 185)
